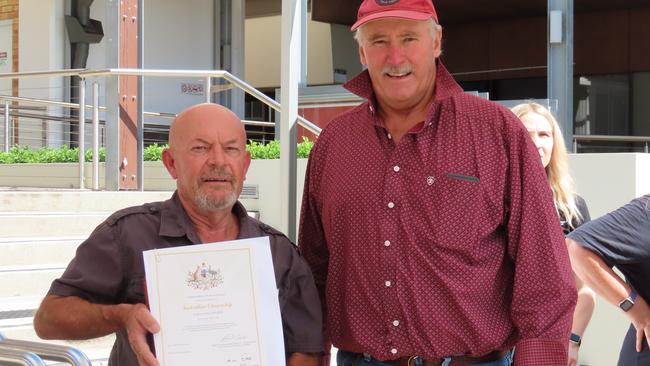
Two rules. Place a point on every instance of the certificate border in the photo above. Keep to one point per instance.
(254, 289)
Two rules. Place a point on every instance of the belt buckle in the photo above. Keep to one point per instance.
(412, 358)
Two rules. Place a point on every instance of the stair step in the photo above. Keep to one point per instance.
(28, 280)
(76, 201)
(17, 225)
(35, 250)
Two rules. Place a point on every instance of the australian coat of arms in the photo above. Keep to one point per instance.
(204, 277)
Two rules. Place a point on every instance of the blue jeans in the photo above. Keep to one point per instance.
(344, 358)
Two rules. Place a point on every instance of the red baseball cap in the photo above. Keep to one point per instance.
(405, 9)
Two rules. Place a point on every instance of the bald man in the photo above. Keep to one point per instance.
(102, 290)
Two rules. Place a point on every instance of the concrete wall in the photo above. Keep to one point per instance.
(263, 45)
(177, 36)
(344, 52)
(41, 47)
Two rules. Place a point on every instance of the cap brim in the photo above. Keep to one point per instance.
(403, 14)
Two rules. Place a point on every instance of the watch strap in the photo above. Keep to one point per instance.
(632, 295)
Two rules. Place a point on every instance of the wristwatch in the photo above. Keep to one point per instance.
(628, 302)
(575, 339)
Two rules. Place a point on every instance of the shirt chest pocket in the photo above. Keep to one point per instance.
(454, 201)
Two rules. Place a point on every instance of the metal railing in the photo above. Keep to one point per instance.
(18, 352)
(208, 76)
(20, 358)
(610, 138)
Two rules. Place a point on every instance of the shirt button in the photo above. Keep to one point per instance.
(396, 168)
(387, 283)
(391, 205)
(387, 243)
(395, 322)
(393, 351)
(390, 137)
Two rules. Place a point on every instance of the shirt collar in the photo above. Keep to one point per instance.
(174, 221)
(446, 86)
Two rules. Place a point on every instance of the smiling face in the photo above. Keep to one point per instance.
(401, 58)
(541, 131)
(207, 156)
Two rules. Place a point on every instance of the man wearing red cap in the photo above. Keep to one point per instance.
(426, 216)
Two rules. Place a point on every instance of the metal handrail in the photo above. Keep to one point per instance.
(610, 138)
(101, 108)
(81, 106)
(85, 73)
(10, 356)
(311, 127)
(32, 74)
(47, 351)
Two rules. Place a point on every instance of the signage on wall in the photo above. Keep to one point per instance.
(3, 58)
(192, 89)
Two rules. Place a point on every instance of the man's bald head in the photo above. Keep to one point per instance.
(199, 114)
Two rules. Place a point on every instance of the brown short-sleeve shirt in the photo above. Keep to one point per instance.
(108, 269)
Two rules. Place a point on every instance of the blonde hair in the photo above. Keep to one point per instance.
(557, 170)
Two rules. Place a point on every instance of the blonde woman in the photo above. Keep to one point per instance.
(571, 208)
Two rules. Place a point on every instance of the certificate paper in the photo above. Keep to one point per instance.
(217, 304)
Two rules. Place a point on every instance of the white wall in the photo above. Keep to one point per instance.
(263, 46)
(345, 54)
(177, 36)
(41, 47)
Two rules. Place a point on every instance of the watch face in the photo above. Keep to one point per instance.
(575, 339)
(626, 304)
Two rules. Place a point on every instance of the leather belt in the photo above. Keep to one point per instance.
(455, 361)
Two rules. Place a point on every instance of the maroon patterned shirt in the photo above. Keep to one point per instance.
(446, 243)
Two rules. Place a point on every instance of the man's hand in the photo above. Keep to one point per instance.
(574, 349)
(138, 321)
(302, 359)
(639, 314)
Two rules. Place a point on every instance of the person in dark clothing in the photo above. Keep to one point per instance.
(619, 239)
(102, 290)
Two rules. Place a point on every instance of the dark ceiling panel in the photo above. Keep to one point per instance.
(335, 11)
(470, 11)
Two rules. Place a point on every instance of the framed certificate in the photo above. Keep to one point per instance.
(217, 304)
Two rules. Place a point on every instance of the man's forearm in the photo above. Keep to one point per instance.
(71, 317)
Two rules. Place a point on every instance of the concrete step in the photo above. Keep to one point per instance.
(35, 250)
(28, 280)
(39, 233)
(74, 200)
(15, 224)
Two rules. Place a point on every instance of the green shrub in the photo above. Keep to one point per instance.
(65, 154)
(153, 152)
